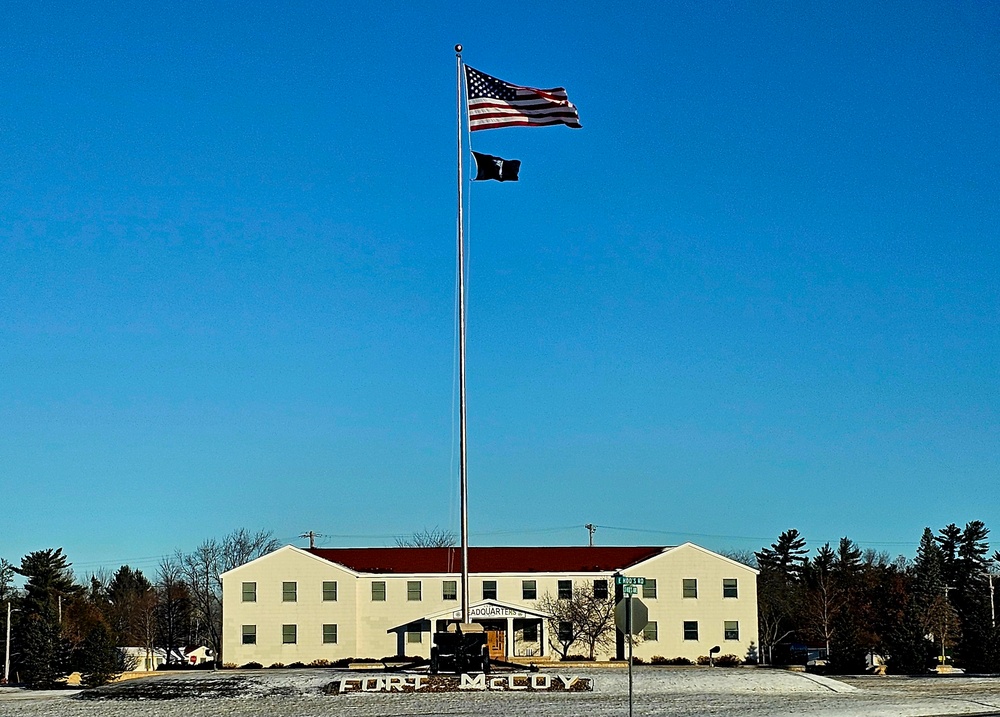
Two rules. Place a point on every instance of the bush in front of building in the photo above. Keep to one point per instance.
(251, 666)
(721, 661)
(575, 658)
(276, 666)
(661, 660)
(320, 663)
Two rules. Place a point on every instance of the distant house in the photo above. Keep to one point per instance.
(301, 605)
(139, 659)
(197, 654)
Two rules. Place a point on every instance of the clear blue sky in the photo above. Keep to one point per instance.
(758, 290)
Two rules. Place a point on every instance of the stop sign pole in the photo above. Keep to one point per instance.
(630, 586)
(628, 621)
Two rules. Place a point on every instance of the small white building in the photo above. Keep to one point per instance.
(142, 659)
(302, 605)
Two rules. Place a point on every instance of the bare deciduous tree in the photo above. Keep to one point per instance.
(173, 609)
(587, 618)
(746, 557)
(201, 571)
(428, 538)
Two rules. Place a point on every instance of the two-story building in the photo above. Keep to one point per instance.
(302, 605)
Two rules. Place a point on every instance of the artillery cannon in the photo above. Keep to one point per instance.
(460, 649)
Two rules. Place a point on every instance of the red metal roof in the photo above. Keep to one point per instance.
(488, 560)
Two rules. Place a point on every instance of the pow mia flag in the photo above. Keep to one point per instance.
(490, 167)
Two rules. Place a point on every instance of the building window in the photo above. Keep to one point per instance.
(329, 634)
(530, 633)
(289, 592)
(489, 589)
(565, 589)
(730, 588)
(649, 632)
(649, 588)
(690, 630)
(289, 634)
(449, 590)
(565, 631)
(412, 589)
(249, 592)
(731, 630)
(329, 591)
(690, 587)
(249, 634)
(529, 591)
(601, 589)
(414, 634)
(378, 591)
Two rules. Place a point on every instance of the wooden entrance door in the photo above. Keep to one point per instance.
(496, 640)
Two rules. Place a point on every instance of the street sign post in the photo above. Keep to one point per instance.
(631, 616)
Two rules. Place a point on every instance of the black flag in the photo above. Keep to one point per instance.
(490, 167)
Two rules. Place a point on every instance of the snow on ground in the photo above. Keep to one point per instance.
(679, 692)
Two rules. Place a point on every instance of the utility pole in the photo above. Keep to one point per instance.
(6, 661)
(993, 607)
(312, 538)
(591, 528)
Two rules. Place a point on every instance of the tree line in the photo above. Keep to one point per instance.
(854, 604)
(60, 624)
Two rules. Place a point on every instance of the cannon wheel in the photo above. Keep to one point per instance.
(433, 669)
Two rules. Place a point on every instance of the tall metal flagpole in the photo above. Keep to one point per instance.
(461, 354)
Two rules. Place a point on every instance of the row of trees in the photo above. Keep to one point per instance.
(855, 603)
(61, 624)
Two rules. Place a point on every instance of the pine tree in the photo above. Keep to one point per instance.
(49, 579)
(926, 612)
(849, 645)
(44, 653)
(824, 600)
(948, 539)
(99, 659)
(780, 590)
(787, 556)
(978, 649)
(129, 600)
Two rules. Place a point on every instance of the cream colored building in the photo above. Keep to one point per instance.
(302, 605)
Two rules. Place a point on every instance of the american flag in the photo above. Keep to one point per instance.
(494, 103)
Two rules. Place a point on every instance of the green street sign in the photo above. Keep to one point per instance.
(630, 590)
(624, 580)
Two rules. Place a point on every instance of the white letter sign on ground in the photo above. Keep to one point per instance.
(479, 682)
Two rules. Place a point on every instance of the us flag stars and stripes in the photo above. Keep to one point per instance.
(494, 103)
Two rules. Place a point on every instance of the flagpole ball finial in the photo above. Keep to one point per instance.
(458, 49)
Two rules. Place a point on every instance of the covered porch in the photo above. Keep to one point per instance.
(513, 632)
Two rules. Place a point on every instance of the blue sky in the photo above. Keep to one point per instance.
(758, 290)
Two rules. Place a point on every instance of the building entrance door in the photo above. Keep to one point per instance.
(496, 640)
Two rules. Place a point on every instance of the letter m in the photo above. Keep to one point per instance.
(470, 682)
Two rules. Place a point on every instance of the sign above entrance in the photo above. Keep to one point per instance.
(487, 611)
